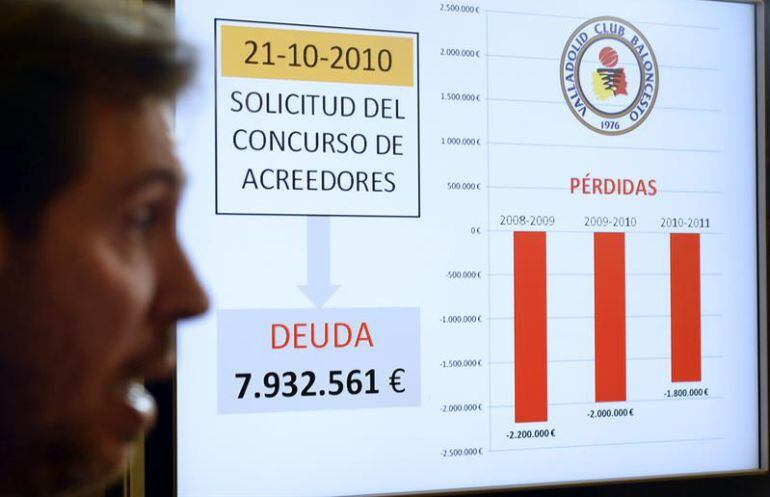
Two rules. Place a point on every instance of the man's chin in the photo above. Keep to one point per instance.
(114, 469)
(71, 472)
(104, 469)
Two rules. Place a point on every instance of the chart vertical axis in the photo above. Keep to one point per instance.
(489, 229)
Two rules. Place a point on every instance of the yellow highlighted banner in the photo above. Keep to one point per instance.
(299, 55)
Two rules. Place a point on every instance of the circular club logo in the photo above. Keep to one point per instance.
(609, 75)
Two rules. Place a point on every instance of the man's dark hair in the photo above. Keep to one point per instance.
(54, 53)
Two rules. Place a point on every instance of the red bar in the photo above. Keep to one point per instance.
(685, 308)
(530, 317)
(610, 312)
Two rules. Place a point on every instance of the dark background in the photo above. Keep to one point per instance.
(160, 445)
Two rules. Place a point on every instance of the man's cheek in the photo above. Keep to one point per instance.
(130, 277)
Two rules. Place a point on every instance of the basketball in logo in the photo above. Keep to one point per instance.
(609, 76)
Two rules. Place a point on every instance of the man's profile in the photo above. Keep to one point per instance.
(92, 275)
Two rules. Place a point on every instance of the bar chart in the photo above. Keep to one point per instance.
(530, 321)
(605, 269)
(620, 325)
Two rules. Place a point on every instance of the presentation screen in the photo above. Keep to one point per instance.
(471, 246)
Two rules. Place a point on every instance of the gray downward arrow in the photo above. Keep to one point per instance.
(318, 288)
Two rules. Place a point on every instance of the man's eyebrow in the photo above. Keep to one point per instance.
(163, 175)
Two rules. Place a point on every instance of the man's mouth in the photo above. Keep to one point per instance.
(134, 410)
(140, 399)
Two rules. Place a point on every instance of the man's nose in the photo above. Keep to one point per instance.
(180, 292)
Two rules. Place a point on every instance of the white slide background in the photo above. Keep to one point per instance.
(699, 143)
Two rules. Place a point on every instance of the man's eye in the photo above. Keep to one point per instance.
(142, 220)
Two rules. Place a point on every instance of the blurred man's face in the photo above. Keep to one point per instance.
(88, 306)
